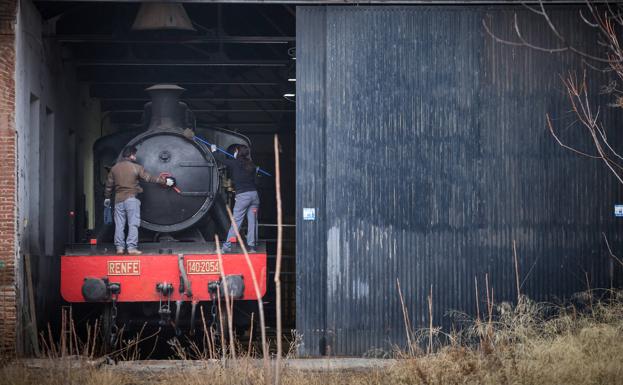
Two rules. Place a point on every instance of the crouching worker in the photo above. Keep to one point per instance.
(124, 178)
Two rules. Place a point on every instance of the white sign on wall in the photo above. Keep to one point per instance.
(618, 210)
(309, 214)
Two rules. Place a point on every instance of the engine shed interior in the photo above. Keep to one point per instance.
(424, 162)
(85, 67)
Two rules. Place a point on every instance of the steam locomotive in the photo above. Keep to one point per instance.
(178, 265)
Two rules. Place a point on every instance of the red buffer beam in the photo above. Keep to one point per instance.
(139, 275)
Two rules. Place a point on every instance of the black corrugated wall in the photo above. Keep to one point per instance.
(422, 146)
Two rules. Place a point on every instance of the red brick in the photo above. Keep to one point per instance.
(8, 315)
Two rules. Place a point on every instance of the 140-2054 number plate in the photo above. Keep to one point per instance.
(202, 267)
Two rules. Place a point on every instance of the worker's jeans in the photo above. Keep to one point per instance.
(127, 211)
(247, 203)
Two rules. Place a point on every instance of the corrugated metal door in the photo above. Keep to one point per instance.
(421, 145)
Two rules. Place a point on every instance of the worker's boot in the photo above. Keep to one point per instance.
(134, 252)
(225, 249)
(120, 250)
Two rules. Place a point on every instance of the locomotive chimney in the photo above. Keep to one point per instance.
(166, 112)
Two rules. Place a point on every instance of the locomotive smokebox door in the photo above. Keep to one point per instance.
(163, 148)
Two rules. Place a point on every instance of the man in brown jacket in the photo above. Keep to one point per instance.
(124, 178)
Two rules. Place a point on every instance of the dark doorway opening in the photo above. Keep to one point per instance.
(238, 69)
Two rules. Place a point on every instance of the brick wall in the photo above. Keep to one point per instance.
(8, 189)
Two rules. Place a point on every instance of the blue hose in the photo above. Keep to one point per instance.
(259, 170)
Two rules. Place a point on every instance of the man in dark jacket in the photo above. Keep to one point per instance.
(243, 172)
(124, 178)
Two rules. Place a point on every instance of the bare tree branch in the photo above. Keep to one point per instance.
(551, 130)
(607, 20)
(534, 10)
(599, 23)
(604, 138)
(498, 39)
(549, 21)
(618, 16)
(578, 96)
(529, 45)
(610, 250)
(586, 21)
(597, 19)
(605, 69)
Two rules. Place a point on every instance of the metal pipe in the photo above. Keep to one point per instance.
(187, 288)
(178, 306)
(192, 318)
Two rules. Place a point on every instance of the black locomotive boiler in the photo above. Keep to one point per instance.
(198, 211)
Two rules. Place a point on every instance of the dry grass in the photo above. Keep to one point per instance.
(532, 343)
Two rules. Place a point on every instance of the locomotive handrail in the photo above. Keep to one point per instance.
(196, 194)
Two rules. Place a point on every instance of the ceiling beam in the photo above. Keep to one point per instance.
(242, 124)
(189, 75)
(197, 94)
(179, 63)
(69, 38)
(211, 111)
(202, 122)
(207, 99)
(183, 82)
(247, 128)
(108, 104)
